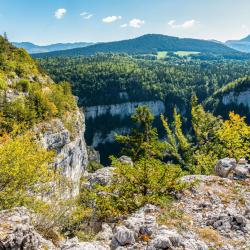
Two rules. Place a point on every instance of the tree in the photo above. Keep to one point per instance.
(149, 180)
(178, 147)
(24, 171)
(234, 137)
(143, 140)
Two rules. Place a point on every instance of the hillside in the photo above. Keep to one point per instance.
(148, 44)
(30, 102)
(235, 96)
(33, 48)
(242, 45)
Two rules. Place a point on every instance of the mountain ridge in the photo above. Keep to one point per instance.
(242, 45)
(34, 48)
(147, 44)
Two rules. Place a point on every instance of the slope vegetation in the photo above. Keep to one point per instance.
(148, 44)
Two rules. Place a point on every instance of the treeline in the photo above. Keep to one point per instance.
(108, 78)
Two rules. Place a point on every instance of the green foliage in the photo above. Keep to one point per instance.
(234, 136)
(41, 103)
(108, 78)
(24, 171)
(143, 140)
(212, 140)
(3, 84)
(147, 180)
(93, 166)
(16, 62)
(23, 85)
(177, 145)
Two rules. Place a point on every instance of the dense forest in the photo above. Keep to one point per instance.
(108, 78)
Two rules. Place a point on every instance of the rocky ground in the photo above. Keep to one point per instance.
(213, 214)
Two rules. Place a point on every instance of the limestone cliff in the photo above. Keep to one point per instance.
(72, 157)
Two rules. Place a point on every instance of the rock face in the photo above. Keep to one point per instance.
(72, 156)
(213, 214)
(124, 109)
(226, 167)
(237, 98)
(17, 232)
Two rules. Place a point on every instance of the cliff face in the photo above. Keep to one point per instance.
(104, 121)
(123, 109)
(31, 101)
(72, 157)
(109, 113)
(237, 98)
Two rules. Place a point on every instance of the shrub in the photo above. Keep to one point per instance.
(23, 85)
(24, 171)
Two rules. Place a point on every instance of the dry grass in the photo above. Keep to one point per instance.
(210, 235)
(175, 218)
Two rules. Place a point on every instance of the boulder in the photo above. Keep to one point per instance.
(102, 176)
(127, 160)
(124, 236)
(74, 244)
(225, 166)
(17, 231)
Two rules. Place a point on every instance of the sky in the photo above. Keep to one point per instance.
(52, 21)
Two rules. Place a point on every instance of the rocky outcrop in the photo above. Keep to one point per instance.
(237, 98)
(17, 232)
(229, 168)
(124, 109)
(212, 214)
(72, 157)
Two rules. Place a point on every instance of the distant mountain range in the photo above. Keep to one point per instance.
(242, 45)
(33, 48)
(147, 44)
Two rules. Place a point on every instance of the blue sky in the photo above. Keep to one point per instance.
(50, 21)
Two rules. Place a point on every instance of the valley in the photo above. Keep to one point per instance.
(110, 86)
(139, 142)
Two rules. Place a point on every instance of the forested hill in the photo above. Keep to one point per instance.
(241, 45)
(148, 44)
(33, 48)
(234, 96)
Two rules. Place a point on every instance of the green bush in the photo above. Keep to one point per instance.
(23, 86)
(94, 166)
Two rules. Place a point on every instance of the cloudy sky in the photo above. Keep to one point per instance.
(50, 21)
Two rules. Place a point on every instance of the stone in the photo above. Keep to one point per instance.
(72, 156)
(192, 244)
(106, 233)
(102, 176)
(93, 155)
(124, 236)
(241, 171)
(162, 242)
(127, 160)
(74, 244)
(17, 231)
(224, 167)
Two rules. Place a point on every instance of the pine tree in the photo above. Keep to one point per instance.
(143, 140)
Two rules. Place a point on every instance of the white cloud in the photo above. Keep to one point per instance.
(186, 25)
(86, 15)
(136, 23)
(59, 14)
(111, 19)
(124, 25)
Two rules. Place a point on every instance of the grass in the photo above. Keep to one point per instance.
(161, 55)
(164, 54)
(210, 236)
(186, 53)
